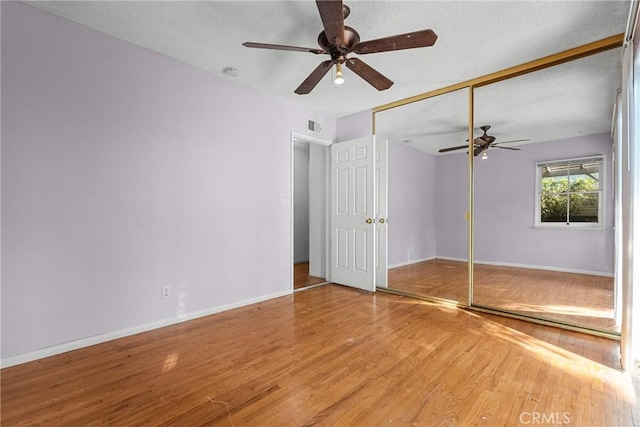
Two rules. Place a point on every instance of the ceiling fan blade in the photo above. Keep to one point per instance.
(508, 142)
(332, 19)
(477, 141)
(460, 147)
(478, 150)
(371, 76)
(283, 47)
(505, 148)
(314, 78)
(424, 38)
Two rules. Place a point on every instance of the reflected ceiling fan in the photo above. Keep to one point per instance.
(338, 40)
(482, 143)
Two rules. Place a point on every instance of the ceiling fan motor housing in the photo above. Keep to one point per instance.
(338, 52)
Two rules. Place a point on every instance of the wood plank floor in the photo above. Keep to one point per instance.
(330, 356)
(577, 299)
(301, 277)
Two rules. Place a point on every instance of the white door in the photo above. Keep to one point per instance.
(353, 221)
(381, 185)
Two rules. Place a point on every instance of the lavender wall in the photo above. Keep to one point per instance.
(124, 171)
(452, 202)
(412, 205)
(354, 126)
(505, 207)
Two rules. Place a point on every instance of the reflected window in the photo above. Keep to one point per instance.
(570, 193)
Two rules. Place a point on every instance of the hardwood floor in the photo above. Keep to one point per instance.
(576, 299)
(438, 277)
(330, 356)
(301, 278)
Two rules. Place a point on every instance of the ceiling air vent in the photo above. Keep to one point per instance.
(313, 126)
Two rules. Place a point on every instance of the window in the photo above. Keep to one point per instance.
(570, 193)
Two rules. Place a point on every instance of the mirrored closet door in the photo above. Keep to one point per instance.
(543, 194)
(428, 196)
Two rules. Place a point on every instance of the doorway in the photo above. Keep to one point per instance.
(310, 166)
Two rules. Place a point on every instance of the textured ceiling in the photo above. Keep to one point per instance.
(474, 38)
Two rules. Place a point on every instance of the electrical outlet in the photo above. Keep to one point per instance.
(165, 292)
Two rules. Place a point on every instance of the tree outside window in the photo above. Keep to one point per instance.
(570, 192)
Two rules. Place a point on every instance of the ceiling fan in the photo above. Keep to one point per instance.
(337, 40)
(482, 143)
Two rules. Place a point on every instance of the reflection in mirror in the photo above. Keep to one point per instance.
(309, 212)
(543, 207)
(428, 233)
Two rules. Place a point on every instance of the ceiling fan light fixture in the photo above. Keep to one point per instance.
(484, 154)
(339, 79)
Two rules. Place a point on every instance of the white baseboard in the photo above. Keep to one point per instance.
(413, 261)
(109, 336)
(533, 267)
(449, 258)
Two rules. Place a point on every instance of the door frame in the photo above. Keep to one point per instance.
(381, 189)
(301, 137)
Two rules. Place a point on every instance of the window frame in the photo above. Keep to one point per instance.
(600, 225)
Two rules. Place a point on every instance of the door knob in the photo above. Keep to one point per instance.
(382, 221)
(369, 221)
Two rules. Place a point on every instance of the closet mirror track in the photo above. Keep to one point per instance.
(519, 221)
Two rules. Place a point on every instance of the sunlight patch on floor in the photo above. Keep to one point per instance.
(566, 361)
(170, 362)
(559, 309)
